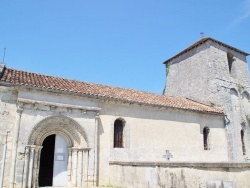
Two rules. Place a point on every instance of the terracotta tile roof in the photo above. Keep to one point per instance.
(201, 41)
(16, 77)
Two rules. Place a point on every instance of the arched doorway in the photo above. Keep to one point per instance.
(53, 161)
(76, 153)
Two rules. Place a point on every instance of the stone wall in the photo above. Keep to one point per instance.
(8, 97)
(179, 175)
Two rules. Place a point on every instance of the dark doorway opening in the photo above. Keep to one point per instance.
(47, 161)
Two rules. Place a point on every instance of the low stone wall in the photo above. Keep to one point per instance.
(179, 174)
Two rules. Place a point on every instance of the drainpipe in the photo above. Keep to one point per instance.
(96, 144)
(3, 159)
(14, 146)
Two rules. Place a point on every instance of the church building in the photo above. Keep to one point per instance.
(57, 132)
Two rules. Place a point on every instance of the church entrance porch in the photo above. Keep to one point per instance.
(57, 154)
(53, 161)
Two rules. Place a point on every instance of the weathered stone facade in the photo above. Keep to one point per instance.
(163, 144)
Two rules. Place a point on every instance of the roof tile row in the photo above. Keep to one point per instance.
(17, 77)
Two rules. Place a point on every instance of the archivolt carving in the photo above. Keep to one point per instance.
(63, 125)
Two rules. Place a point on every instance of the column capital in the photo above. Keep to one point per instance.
(19, 110)
(34, 147)
(39, 147)
(74, 149)
(86, 149)
(78, 149)
(97, 116)
(19, 107)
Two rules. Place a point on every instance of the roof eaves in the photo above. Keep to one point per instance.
(114, 99)
(230, 47)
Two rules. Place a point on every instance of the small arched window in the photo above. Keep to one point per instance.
(205, 138)
(118, 133)
(242, 142)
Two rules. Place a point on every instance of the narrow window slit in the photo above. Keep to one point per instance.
(230, 60)
(242, 142)
(206, 131)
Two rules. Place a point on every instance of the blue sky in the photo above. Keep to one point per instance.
(114, 42)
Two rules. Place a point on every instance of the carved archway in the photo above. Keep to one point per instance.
(77, 147)
(59, 125)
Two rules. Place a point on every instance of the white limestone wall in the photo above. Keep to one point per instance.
(149, 132)
(8, 98)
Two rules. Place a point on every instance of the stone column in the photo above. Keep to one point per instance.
(36, 166)
(74, 166)
(95, 150)
(86, 167)
(79, 168)
(69, 166)
(26, 166)
(31, 162)
(14, 145)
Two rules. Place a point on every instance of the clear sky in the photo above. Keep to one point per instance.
(114, 42)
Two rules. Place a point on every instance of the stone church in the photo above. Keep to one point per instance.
(57, 132)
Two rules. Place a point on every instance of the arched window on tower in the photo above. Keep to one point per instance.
(230, 60)
(119, 133)
(206, 131)
(235, 101)
(245, 100)
(242, 142)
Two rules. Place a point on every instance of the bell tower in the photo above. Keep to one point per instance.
(215, 74)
